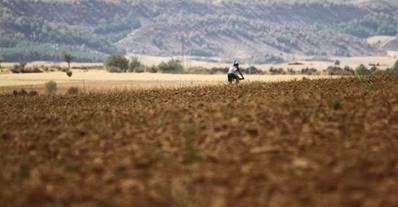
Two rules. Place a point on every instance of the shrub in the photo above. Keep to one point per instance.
(69, 73)
(309, 71)
(114, 70)
(34, 70)
(46, 69)
(276, 71)
(153, 69)
(21, 68)
(23, 92)
(291, 71)
(349, 70)
(135, 65)
(18, 68)
(334, 70)
(172, 66)
(362, 70)
(335, 104)
(51, 87)
(395, 67)
(197, 70)
(252, 70)
(140, 69)
(72, 91)
(373, 69)
(295, 63)
(33, 93)
(23, 64)
(117, 63)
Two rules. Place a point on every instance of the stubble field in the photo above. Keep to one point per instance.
(329, 142)
(101, 80)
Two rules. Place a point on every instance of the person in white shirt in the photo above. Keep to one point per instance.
(233, 72)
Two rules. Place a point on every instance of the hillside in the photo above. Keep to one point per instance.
(267, 31)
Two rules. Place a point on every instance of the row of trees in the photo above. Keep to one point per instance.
(118, 64)
(363, 70)
(359, 70)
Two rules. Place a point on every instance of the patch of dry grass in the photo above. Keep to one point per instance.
(99, 80)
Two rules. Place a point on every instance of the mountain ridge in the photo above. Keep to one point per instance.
(93, 29)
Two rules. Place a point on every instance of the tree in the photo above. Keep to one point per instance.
(135, 65)
(337, 62)
(117, 63)
(172, 66)
(362, 70)
(67, 58)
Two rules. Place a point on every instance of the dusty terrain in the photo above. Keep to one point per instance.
(300, 143)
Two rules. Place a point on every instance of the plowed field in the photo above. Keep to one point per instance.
(331, 142)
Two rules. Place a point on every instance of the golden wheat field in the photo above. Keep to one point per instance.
(101, 80)
(330, 142)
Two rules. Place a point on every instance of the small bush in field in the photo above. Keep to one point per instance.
(277, 71)
(33, 93)
(51, 87)
(23, 92)
(153, 69)
(21, 68)
(135, 65)
(69, 73)
(139, 69)
(116, 63)
(114, 70)
(395, 68)
(309, 71)
(335, 70)
(198, 70)
(73, 91)
(362, 70)
(335, 104)
(172, 66)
